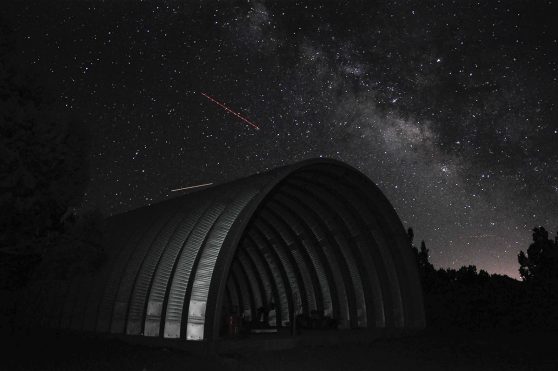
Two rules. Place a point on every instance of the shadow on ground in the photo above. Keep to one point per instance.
(429, 350)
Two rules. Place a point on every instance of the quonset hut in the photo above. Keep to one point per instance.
(314, 237)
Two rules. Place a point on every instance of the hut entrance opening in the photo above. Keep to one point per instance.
(309, 258)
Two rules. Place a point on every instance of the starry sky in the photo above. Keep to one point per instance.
(448, 106)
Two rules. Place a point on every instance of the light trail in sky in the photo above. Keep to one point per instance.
(479, 236)
(196, 186)
(231, 111)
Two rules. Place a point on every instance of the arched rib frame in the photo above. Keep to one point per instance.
(317, 235)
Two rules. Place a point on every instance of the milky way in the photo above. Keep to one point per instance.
(449, 108)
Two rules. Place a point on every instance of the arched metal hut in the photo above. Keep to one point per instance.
(314, 236)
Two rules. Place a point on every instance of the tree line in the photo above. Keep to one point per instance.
(471, 298)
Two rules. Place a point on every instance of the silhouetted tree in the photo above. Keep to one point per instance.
(426, 269)
(423, 262)
(411, 235)
(469, 298)
(540, 264)
(539, 270)
(43, 167)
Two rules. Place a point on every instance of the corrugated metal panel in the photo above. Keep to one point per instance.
(93, 298)
(118, 232)
(211, 249)
(381, 301)
(253, 279)
(140, 291)
(262, 275)
(310, 297)
(159, 288)
(247, 299)
(383, 247)
(343, 242)
(333, 222)
(362, 205)
(311, 245)
(280, 251)
(359, 237)
(397, 238)
(262, 247)
(121, 300)
(101, 302)
(310, 219)
(177, 294)
(354, 287)
(294, 245)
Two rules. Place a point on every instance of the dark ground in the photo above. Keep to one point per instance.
(429, 350)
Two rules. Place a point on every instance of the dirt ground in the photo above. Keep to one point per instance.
(429, 350)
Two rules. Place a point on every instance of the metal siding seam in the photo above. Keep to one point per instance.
(304, 243)
(358, 319)
(275, 269)
(378, 248)
(181, 276)
(342, 240)
(389, 263)
(309, 242)
(161, 278)
(360, 238)
(274, 274)
(129, 274)
(295, 248)
(144, 278)
(101, 308)
(257, 264)
(255, 284)
(209, 254)
(95, 292)
(310, 297)
(331, 251)
(279, 250)
(381, 221)
(95, 282)
(248, 307)
(409, 279)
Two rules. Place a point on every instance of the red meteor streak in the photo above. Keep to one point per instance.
(231, 111)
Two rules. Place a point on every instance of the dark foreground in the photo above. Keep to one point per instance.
(430, 350)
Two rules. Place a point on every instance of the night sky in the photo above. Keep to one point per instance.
(448, 106)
